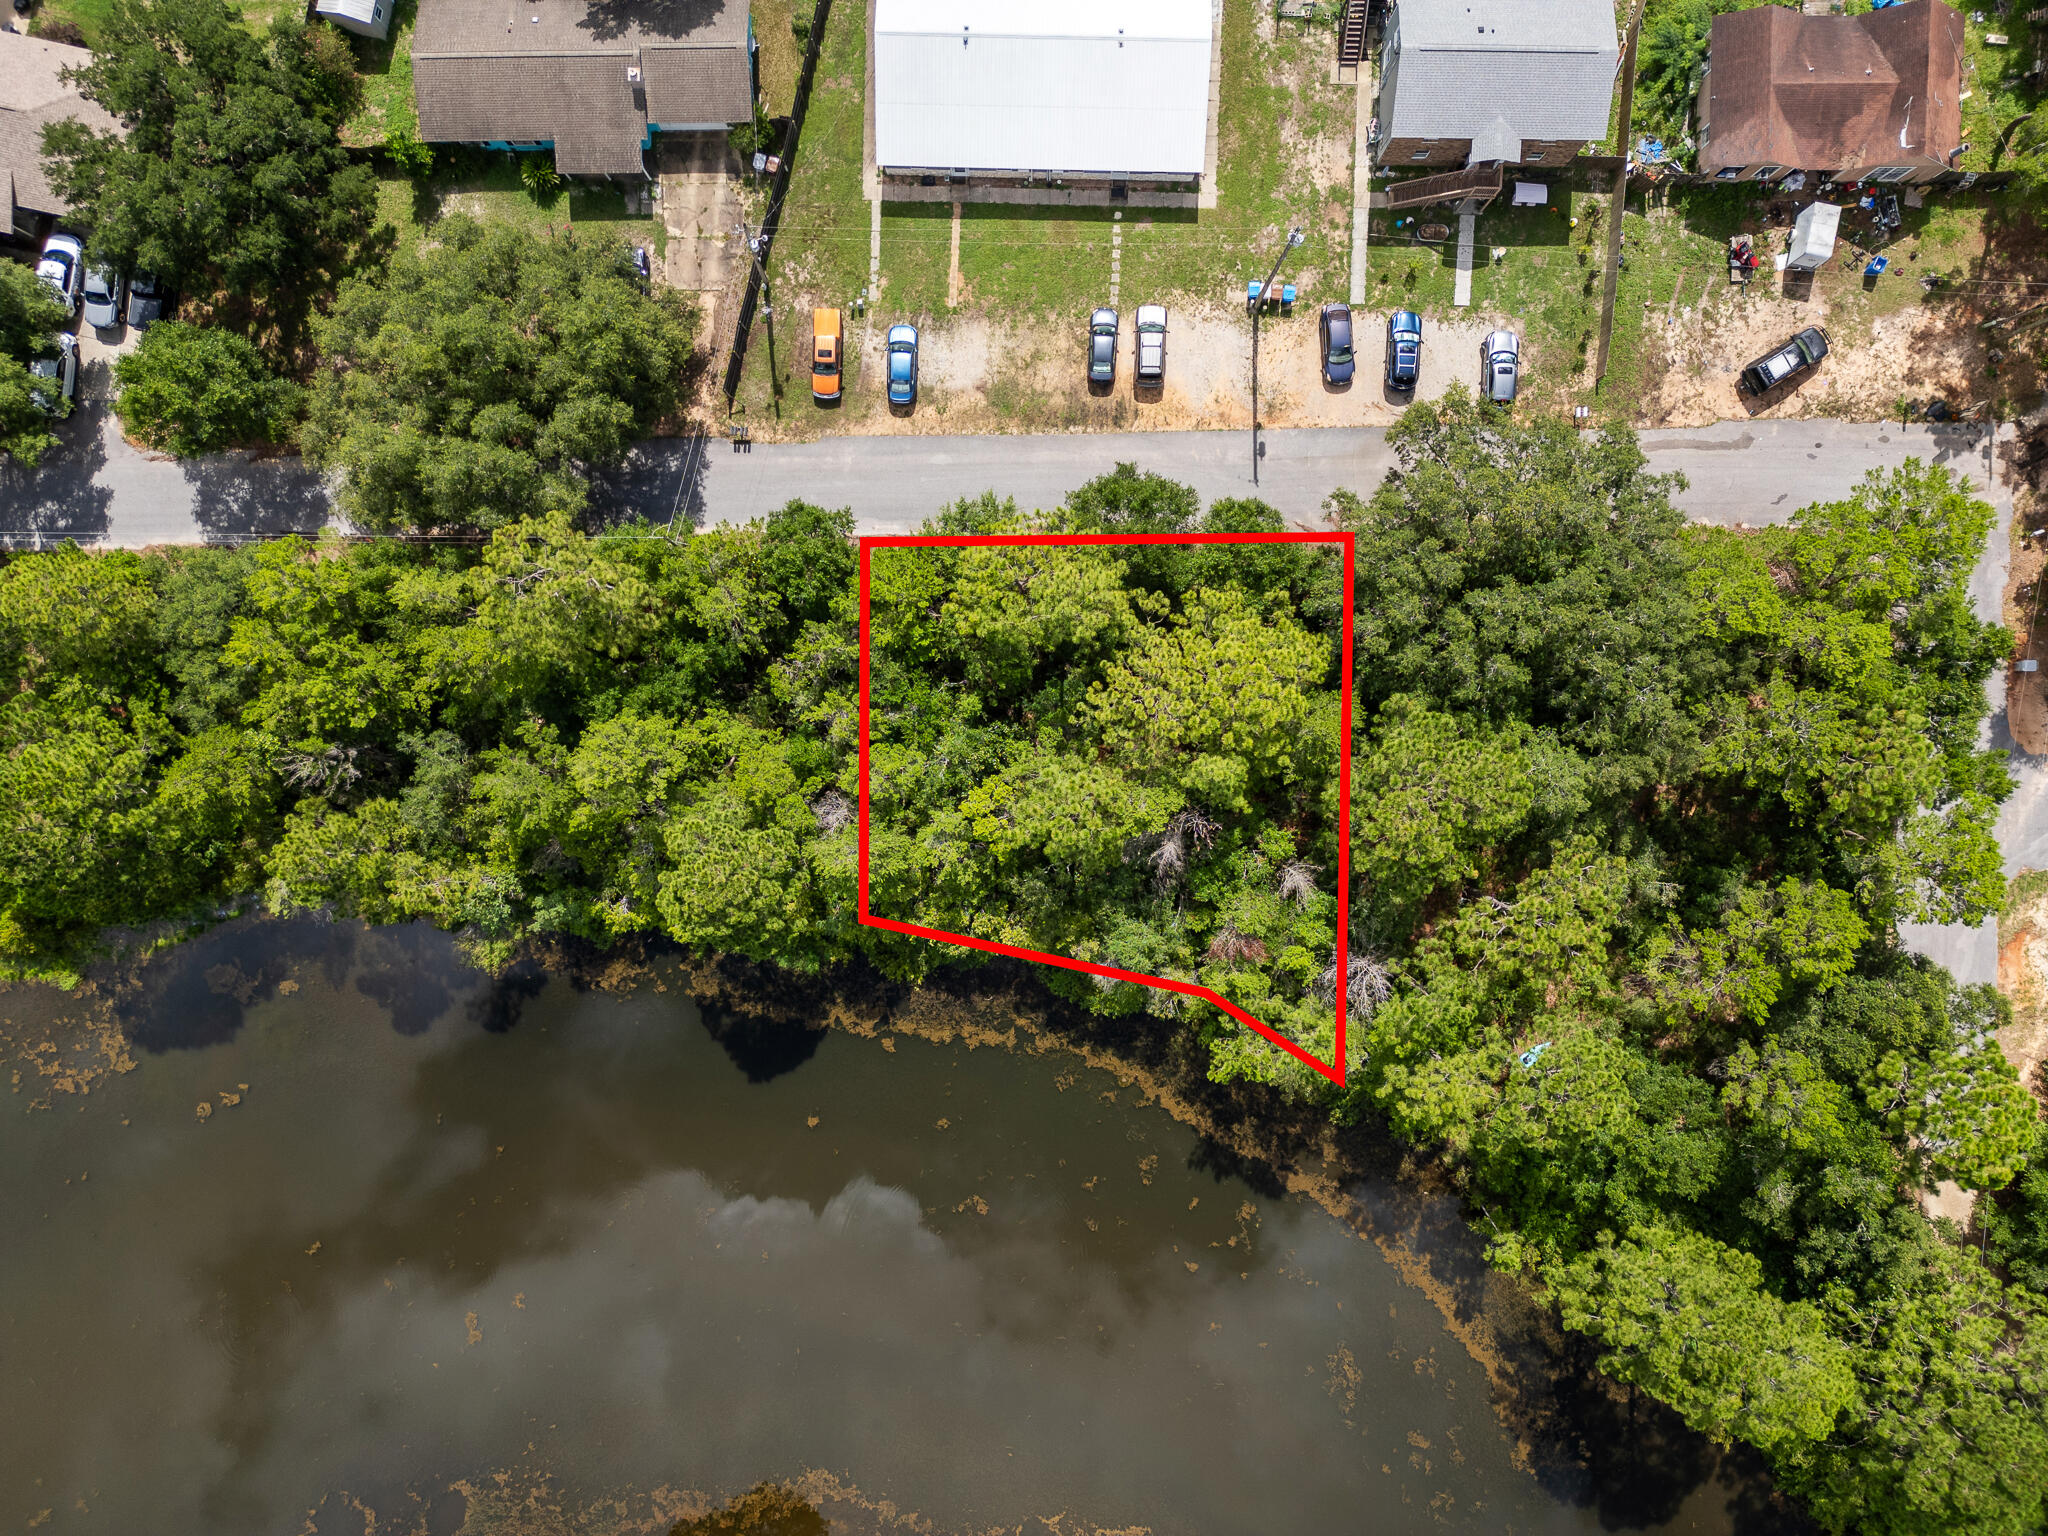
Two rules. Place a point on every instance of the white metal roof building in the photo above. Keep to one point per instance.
(1085, 88)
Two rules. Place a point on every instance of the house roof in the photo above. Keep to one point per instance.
(525, 70)
(34, 94)
(1499, 72)
(1834, 92)
(1103, 87)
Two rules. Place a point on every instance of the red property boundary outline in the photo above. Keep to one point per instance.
(1333, 1070)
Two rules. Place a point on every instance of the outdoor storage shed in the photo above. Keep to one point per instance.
(365, 18)
(1060, 88)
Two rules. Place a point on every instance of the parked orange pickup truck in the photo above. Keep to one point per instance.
(826, 348)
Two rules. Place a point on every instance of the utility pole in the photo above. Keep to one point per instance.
(753, 244)
(1294, 238)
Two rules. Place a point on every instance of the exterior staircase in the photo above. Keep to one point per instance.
(1351, 35)
(1478, 184)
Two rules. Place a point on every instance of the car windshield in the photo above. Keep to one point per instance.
(1340, 354)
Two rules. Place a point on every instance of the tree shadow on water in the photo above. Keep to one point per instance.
(762, 1047)
(200, 993)
(1223, 1162)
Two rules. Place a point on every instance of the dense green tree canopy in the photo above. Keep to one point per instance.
(30, 316)
(1638, 811)
(192, 389)
(476, 380)
(227, 171)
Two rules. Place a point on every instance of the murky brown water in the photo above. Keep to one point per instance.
(438, 1236)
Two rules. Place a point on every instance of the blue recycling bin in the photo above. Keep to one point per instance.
(1877, 266)
(1287, 293)
(1251, 291)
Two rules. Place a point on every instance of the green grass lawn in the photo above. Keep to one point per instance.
(781, 56)
(486, 186)
(91, 16)
(386, 70)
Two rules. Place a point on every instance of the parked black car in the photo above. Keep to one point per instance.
(1801, 353)
(146, 299)
(1338, 362)
(1102, 326)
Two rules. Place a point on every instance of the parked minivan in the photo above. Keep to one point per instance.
(827, 344)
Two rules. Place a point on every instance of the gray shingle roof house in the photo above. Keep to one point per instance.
(34, 93)
(593, 80)
(1519, 82)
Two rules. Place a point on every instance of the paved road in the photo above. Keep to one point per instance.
(98, 489)
(1737, 471)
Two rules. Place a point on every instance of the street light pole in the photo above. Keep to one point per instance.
(1294, 238)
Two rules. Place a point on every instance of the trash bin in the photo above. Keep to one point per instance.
(1877, 266)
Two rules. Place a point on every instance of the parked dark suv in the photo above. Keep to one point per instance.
(1802, 352)
(1404, 349)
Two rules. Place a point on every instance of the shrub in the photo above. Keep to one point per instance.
(190, 389)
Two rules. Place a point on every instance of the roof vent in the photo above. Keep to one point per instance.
(632, 74)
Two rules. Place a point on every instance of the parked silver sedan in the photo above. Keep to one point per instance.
(1500, 366)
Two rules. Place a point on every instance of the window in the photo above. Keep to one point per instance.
(1889, 173)
(1729, 174)
(1423, 153)
(1768, 172)
(1534, 157)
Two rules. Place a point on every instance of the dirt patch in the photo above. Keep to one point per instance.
(984, 374)
(2023, 978)
(2026, 693)
(1695, 355)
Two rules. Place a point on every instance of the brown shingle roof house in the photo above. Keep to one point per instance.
(593, 79)
(1875, 97)
(33, 94)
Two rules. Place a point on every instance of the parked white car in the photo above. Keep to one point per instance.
(102, 299)
(63, 267)
(1151, 367)
(54, 380)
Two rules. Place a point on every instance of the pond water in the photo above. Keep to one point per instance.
(440, 1241)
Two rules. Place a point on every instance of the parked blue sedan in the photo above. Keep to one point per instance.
(1404, 349)
(902, 364)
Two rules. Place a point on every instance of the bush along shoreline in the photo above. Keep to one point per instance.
(1638, 809)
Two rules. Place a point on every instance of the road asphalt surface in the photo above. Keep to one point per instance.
(98, 489)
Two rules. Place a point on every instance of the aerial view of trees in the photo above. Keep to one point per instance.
(1638, 810)
(190, 389)
(30, 316)
(475, 380)
(229, 174)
